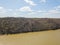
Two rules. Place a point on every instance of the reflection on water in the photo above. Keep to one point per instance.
(35, 38)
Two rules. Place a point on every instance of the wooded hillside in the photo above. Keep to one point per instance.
(21, 25)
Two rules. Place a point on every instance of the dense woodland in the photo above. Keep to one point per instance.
(21, 25)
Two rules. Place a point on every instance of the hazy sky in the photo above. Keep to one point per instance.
(30, 8)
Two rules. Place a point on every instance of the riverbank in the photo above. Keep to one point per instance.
(22, 25)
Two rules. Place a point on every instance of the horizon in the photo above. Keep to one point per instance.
(27, 17)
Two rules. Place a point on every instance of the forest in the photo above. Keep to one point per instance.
(11, 25)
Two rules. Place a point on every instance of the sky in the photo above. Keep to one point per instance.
(30, 8)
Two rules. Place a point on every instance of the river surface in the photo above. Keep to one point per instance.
(32, 38)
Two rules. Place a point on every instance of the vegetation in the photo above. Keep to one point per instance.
(20, 25)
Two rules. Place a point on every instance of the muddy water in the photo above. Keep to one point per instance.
(35, 38)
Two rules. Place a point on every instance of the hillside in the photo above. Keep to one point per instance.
(21, 25)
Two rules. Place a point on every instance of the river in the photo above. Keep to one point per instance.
(32, 38)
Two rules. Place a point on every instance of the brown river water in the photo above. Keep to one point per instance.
(32, 38)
